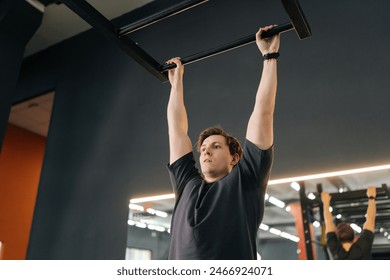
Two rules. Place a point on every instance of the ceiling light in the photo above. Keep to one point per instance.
(295, 186)
(356, 228)
(276, 202)
(140, 225)
(264, 227)
(275, 231)
(136, 207)
(161, 214)
(311, 196)
(152, 198)
(316, 224)
(328, 174)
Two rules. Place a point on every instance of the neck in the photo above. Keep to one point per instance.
(347, 245)
(211, 179)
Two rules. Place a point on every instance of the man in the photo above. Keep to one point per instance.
(217, 213)
(341, 241)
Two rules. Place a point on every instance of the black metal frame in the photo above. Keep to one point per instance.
(120, 38)
(340, 202)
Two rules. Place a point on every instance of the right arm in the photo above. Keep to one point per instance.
(329, 225)
(371, 210)
(179, 142)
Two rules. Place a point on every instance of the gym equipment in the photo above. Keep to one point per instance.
(298, 22)
(119, 36)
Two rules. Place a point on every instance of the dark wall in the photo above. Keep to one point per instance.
(108, 137)
(14, 35)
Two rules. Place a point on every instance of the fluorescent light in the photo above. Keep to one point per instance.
(157, 212)
(151, 227)
(328, 174)
(294, 238)
(136, 207)
(161, 214)
(356, 228)
(266, 196)
(264, 227)
(276, 202)
(160, 228)
(152, 198)
(130, 222)
(295, 186)
(140, 225)
(275, 231)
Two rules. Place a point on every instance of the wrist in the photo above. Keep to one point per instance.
(271, 55)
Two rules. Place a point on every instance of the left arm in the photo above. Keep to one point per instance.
(260, 125)
(371, 210)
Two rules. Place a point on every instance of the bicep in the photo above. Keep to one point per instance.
(179, 145)
(260, 130)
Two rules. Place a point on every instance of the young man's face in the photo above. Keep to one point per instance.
(215, 158)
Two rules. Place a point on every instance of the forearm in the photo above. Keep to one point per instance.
(260, 126)
(176, 111)
(266, 93)
(370, 215)
(330, 226)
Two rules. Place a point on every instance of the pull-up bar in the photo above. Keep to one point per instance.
(120, 38)
(298, 22)
(152, 19)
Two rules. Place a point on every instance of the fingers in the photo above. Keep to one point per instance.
(264, 29)
(174, 60)
(371, 191)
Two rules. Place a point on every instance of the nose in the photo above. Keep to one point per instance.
(207, 151)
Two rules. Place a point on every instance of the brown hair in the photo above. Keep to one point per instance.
(234, 145)
(345, 233)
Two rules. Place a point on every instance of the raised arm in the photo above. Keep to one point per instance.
(179, 142)
(329, 225)
(371, 210)
(260, 125)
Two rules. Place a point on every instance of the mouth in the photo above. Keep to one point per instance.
(207, 160)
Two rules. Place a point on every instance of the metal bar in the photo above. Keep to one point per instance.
(306, 222)
(229, 46)
(171, 11)
(104, 26)
(298, 19)
(381, 192)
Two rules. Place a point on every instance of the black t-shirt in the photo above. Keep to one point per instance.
(219, 220)
(360, 250)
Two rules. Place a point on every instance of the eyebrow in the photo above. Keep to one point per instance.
(212, 143)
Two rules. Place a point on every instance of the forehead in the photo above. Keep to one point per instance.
(214, 138)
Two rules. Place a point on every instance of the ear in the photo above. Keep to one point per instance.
(235, 159)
